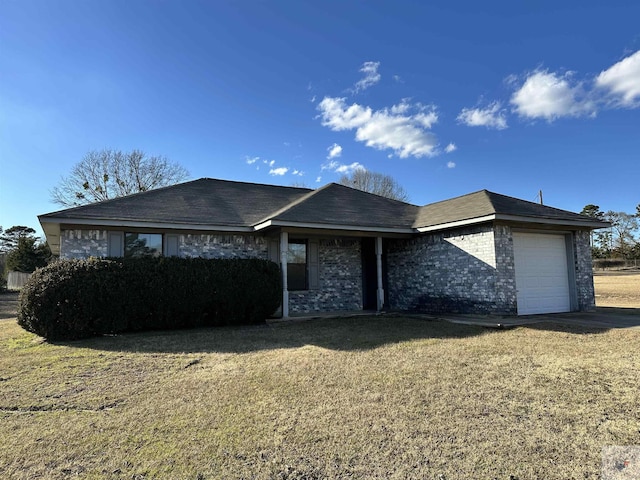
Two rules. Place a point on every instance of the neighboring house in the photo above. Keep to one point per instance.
(344, 249)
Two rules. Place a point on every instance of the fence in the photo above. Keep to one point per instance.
(16, 280)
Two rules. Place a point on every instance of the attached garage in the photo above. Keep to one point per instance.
(543, 279)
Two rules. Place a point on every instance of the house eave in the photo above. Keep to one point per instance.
(516, 219)
(552, 221)
(322, 226)
(456, 224)
(52, 234)
(97, 222)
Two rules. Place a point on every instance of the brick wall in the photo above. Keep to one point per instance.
(83, 243)
(466, 270)
(340, 272)
(457, 271)
(584, 271)
(506, 301)
(223, 246)
(93, 243)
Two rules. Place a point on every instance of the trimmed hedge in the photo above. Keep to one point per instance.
(73, 299)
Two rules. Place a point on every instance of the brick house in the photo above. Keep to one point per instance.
(344, 249)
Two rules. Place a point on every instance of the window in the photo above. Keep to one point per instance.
(142, 244)
(297, 265)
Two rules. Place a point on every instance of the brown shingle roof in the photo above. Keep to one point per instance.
(221, 203)
(201, 202)
(485, 203)
(336, 204)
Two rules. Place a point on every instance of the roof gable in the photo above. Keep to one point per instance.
(339, 205)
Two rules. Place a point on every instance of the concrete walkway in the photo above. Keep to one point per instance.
(603, 317)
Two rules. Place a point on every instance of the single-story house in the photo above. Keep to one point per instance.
(343, 249)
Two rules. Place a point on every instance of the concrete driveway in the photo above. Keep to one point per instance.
(603, 317)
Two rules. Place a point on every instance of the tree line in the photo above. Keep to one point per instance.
(621, 239)
(21, 251)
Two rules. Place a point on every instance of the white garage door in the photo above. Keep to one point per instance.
(542, 276)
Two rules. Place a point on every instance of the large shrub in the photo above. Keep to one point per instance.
(80, 298)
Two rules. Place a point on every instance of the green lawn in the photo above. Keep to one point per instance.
(367, 397)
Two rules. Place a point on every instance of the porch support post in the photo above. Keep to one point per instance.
(380, 295)
(284, 248)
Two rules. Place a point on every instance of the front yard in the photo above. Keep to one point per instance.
(367, 397)
(617, 288)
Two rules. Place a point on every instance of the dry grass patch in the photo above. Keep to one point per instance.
(617, 289)
(373, 397)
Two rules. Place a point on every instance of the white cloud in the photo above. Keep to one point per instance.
(278, 171)
(337, 167)
(392, 128)
(318, 179)
(403, 107)
(550, 96)
(371, 76)
(270, 163)
(623, 80)
(450, 148)
(298, 173)
(491, 117)
(451, 164)
(252, 160)
(334, 150)
(337, 116)
(427, 120)
(398, 79)
(332, 165)
(347, 169)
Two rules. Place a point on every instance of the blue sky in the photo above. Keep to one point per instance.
(447, 97)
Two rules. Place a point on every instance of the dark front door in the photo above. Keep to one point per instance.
(369, 274)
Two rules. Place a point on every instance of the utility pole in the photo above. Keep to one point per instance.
(540, 195)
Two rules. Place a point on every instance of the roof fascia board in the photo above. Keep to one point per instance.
(137, 224)
(459, 223)
(551, 221)
(321, 226)
(512, 218)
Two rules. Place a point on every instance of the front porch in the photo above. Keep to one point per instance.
(325, 274)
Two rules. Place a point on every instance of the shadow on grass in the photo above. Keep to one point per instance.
(601, 320)
(346, 333)
(357, 333)
(567, 328)
(619, 311)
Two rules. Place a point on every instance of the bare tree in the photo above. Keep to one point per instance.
(623, 228)
(374, 182)
(106, 174)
